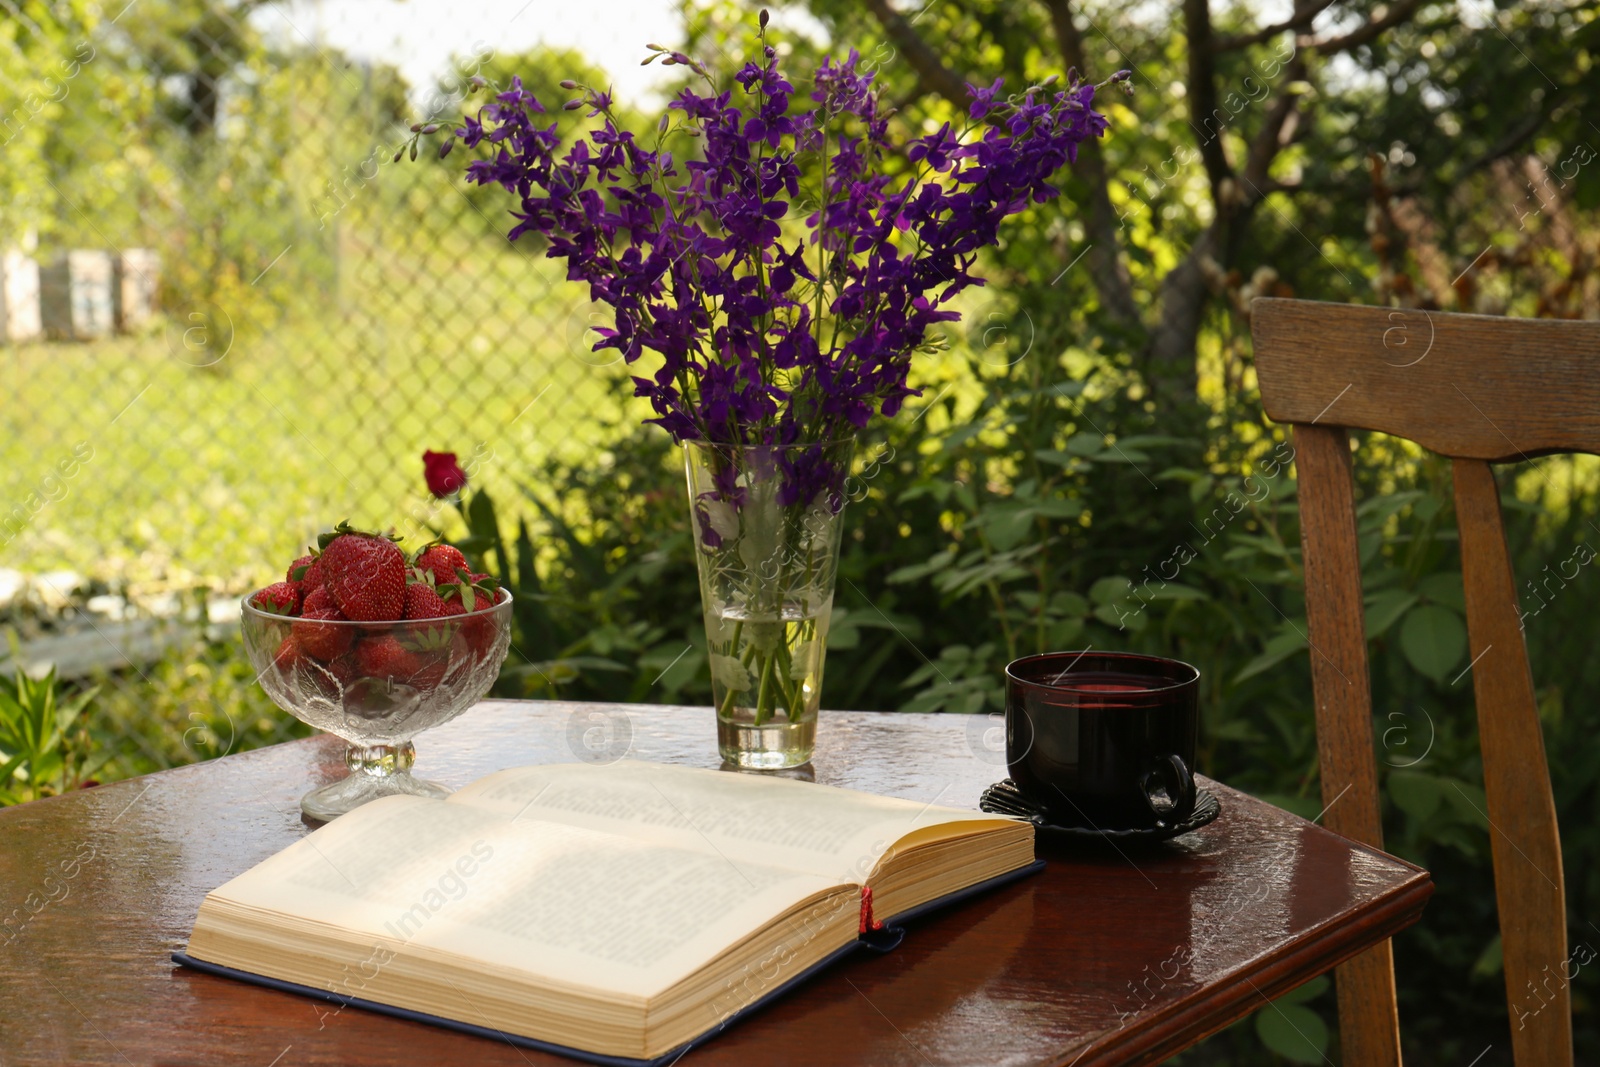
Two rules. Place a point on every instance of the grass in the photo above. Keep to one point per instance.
(218, 473)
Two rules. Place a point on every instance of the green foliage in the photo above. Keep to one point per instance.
(1433, 639)
(44, 746)
(41, 60)
(600, 566)
(1291, 1029)
(197, 702)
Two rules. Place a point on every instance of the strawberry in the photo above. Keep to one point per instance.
(305, 572)
(469, 592)
(322, 642)
(345, 669)
(279, 598)
(431, 672)
(366, 573)
(288, 655)
(474, 593)
(318, 599)
(424, 602)
(386, 657)
(441, 561)
(332, 679)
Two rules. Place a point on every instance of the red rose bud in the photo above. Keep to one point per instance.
(443, 474)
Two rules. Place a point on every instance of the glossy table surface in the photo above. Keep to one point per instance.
(1112, 955)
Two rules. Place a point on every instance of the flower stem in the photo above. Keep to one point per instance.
(763, 706)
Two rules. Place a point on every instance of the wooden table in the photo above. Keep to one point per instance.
(1108, 957)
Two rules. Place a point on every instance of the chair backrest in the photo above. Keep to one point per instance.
(1480, 390)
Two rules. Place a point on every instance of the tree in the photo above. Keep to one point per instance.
(1263, 127)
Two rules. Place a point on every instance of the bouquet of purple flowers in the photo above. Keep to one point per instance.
(770, 270)
(782, 272)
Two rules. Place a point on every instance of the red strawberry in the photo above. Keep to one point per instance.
(386, 657)
(323, 642)
(345, 668)
(318, 599)
(441, 561)
(469, 592)
(332, 679)
(336, 676)
(424, 602)
(288, 655)
(432, 671)
(474, 592)
(279, 598)
(299, 568)
(365, 573)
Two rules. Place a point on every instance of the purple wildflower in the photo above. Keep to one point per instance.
(982, 99)
(740, 331)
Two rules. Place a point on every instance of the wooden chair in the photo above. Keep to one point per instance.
(1479, 390)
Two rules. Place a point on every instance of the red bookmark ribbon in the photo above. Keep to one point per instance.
(868, 923)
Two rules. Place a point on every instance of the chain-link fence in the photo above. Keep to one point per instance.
(231, 318)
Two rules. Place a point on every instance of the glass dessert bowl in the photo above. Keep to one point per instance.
(377, 685)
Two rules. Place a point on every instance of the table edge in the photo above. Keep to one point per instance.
(1270, 977)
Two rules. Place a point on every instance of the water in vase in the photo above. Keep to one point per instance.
(766, 680)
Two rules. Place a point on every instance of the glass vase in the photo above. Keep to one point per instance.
(766, 523)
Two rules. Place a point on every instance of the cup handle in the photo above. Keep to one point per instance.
(1168, 789)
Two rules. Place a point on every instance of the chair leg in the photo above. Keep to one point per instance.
(1369, 1025)
(1524, 837)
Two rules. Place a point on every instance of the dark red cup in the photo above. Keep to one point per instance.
(1104, 739)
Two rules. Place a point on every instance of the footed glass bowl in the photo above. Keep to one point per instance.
(377, 685)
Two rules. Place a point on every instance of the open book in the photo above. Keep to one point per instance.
(613, 912)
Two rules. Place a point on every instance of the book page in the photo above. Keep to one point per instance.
(568, 904)
(750, 820)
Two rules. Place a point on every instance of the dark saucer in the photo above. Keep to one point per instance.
(1002, 798)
